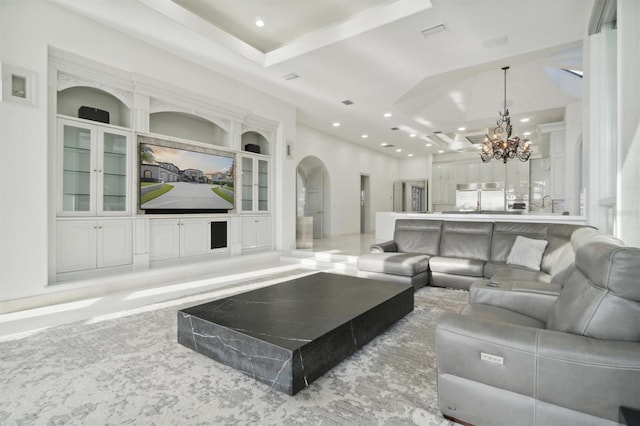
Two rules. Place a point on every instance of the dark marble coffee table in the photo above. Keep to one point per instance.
(289, 334)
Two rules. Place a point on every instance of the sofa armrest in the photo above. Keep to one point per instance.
(531, 298)
(580, 374)
(572, 367)
(492, 353)
(387, 246)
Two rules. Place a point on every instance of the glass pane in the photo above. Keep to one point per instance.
(247, 183)
(76, 169)
(263, 185)
(114, 169)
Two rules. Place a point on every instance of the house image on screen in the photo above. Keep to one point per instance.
(159, 172)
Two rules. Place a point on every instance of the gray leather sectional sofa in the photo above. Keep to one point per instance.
(554, 346)
(458, 253)
(524, 353)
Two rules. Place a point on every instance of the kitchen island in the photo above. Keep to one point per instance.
(385, 221)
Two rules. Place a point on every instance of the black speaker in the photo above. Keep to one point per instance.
(251, 147)
(94, 114)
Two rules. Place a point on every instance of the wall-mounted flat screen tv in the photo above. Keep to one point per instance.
(180, 178)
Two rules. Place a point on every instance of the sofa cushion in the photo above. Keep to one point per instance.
(517, 273)
(601, 298)
(527, 252)
(418, 236)
(470, 240)
(405, 264)
(457, 266)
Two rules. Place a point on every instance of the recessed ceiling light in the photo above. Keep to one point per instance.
(384, 144)
(524, 120)
(462, 129)
(387, 114)
(412, 135)
(409, 155)
(259, 22)
(398, 150)
(365, 136)
(440, 152)
(336, 124)
(526, 133)
(428, 144)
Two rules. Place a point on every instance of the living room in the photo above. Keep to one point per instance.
(151, 62)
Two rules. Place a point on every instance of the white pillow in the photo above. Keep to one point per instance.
(527, 252)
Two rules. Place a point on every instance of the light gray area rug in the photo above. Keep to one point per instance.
(129, 369)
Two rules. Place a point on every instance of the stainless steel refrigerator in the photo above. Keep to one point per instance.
(467, 197)
(492, 197)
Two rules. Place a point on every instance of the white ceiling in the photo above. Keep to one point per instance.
(373, 53)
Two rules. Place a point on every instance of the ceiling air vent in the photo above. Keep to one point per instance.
(476, 139)
(290, 76)
(347, 102)
(429, 32)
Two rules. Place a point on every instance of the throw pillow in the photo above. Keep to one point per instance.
(527, 252)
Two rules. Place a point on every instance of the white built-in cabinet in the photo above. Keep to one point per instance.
(84, 244)
(93, 164)
(254, 184)
(256, 232)
(93, 175)
(93, 185)
(173, 238)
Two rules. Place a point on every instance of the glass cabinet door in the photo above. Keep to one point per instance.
(77, 176)
(247, 184)
(263, 185)
(114, 172)
(95, 161)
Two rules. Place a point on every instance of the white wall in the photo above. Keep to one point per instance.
(27, 28)
(628, 194)
(345, 162)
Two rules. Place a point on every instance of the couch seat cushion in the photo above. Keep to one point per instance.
(457, 266)
(405, 264)
(516, 273)
(495, 313)
(490, 268)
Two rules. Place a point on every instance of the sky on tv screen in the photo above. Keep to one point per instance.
(183, 159)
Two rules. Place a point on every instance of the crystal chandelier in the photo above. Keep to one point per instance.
(494, 147)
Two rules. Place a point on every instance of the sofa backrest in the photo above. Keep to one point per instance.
(470, 240)
(559, 255)
(601, 298)
(418, 236)
(505, 233)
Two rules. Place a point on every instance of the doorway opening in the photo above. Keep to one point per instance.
(365, 205)
(312, 199)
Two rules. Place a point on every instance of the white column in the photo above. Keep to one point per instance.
(628, 192)
(600, 138)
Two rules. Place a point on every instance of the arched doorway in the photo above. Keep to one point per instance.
(313, 194)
